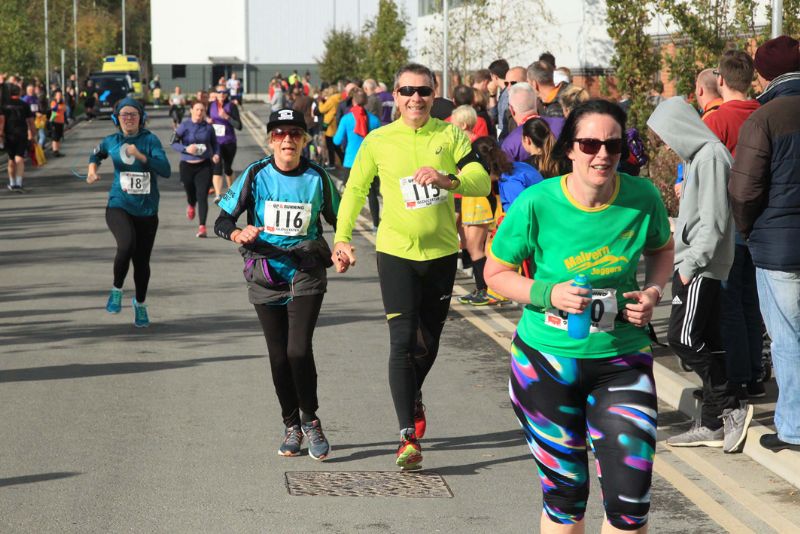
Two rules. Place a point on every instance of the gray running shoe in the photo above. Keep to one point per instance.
(698, 436)
(292, 440)
(318, 447)
(735, 424)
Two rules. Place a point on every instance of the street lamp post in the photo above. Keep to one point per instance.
(75, 35)
(123, 28)
(46, 51)
(777, 18)
(445, 65)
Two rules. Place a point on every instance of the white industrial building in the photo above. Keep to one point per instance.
(195, 42)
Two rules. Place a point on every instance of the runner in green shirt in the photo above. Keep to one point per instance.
(597, 222)
(421, 161)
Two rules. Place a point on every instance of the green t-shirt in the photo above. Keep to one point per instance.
(564, 239)
(417, 223)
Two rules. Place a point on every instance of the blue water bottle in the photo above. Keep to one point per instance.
(578, 324)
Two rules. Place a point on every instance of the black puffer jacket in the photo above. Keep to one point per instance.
(764, 184)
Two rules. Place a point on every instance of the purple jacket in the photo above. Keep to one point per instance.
(192, 133)
(387, 104)
(232, 122)
(512, 144)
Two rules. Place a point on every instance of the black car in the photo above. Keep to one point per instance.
(110, 88)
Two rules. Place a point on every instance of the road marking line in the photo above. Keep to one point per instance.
(252, 128)
(759, 508)
(698, 497)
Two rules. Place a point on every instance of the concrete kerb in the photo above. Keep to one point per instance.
(676, 391)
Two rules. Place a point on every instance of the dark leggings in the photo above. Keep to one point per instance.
(333, 151)
(289, 330)
(226, 154)
(135, 237)
(196, 179)
(563, 402)
(416, 297)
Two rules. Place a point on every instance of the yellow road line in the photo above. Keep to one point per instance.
(698, 497)
(759, 508)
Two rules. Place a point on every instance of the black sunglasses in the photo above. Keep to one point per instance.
(409, 90)
(592, 146)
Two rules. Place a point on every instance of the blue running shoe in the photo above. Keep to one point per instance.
(318, 447)
(140, 320)
(114, 304)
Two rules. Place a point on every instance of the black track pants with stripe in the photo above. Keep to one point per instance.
(694, 335)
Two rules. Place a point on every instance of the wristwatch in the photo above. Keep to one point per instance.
(454, 182)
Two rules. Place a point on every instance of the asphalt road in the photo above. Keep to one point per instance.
(174, 428)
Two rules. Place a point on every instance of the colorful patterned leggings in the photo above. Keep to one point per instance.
(566, 405)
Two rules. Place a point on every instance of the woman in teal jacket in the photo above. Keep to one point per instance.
(132, 210)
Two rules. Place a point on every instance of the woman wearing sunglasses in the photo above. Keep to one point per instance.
(132, 210)
(285, 256)
(596, 222)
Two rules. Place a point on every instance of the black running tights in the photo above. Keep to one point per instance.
(416, 297)
(196, 179)
(135, 237)
(289, 330)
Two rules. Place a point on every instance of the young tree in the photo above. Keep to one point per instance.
(635, 60)
(385, 53)
(483, 30)
(344, 52)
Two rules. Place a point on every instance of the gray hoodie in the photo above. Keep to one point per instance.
(704, 229)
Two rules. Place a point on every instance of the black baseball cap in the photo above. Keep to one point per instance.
(286, 117)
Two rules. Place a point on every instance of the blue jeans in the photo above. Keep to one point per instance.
(779, 293)
(740, 320)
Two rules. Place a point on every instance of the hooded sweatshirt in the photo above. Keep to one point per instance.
(704, 229)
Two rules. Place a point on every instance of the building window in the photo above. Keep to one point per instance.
(178, 71)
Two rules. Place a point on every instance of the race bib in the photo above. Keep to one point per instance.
(418, 196)
(135, 183)
(603, 312)
(201, 149)
(219, 130)
(286, 218)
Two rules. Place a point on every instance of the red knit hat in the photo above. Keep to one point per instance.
(777, 56)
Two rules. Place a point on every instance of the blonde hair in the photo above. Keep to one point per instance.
(464, 116)
(571, 97)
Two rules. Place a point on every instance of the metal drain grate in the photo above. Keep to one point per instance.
(423, 484)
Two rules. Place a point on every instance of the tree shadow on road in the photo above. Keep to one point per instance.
(79, 370)
(43, 477)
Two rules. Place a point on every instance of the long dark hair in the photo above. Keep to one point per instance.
(494, 160)
(567, 137)
(539, 133)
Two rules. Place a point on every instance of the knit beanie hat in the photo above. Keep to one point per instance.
(777, 56)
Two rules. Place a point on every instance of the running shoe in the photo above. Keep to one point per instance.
(140, 318)
(190, 212)
(698, 436)
(217, 199)
(467, 299)
(480, 298)
(201, 231)
(496, 298)
(58, 154)
(318, 446)
(114, 304)
(292, 439)
(420, 424)
(409, 453)
(735, 423)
